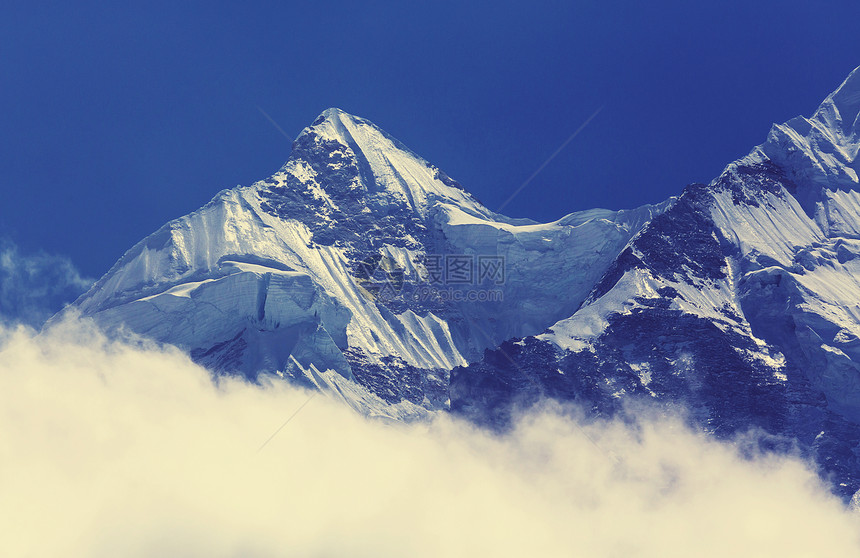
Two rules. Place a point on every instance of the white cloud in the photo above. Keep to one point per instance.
(123, 449)
(35, 286)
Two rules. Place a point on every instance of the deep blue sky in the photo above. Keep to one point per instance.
(116, 118)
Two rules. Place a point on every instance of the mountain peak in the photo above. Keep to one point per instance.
(841, 109)
(354, 157)
(820, 151)
(333, 118)
(333, 112)
(338, 125)
(333, 124)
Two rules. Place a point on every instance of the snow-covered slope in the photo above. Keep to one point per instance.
(741, 301)
(820, 152)
(333, 272)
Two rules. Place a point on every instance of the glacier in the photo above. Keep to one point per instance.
(738, 300)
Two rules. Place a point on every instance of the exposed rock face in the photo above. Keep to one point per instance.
(741, 301)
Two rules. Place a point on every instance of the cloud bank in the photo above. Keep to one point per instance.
(124, 449)
(35, 286)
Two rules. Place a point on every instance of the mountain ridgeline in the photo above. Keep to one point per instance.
(362, 270)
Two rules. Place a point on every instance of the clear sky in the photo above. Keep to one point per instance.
(117, 118)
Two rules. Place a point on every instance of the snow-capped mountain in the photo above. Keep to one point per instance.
(358, 268)
(365, 271)
(741, 301)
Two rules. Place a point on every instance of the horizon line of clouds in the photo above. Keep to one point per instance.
(113, 448)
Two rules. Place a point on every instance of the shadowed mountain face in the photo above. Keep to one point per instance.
(741, 302)
(363, 270)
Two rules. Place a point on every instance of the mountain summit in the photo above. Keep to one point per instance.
(820, 151)
(358, 268)
(362, 270)
(353, 154)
